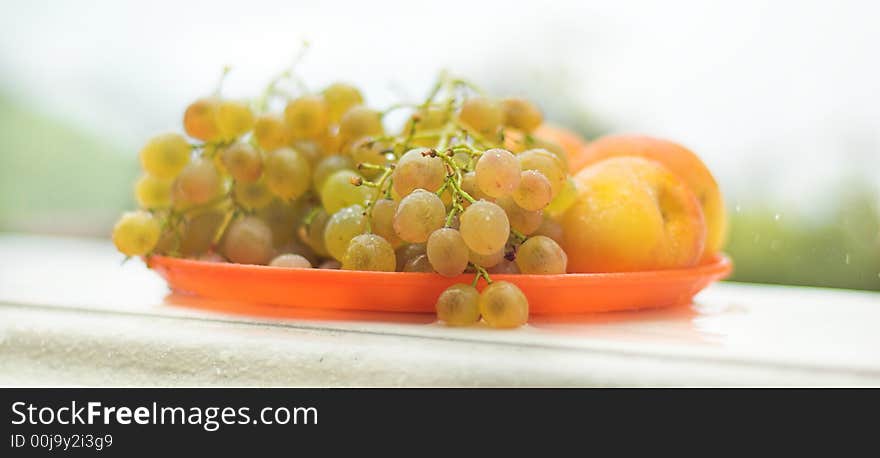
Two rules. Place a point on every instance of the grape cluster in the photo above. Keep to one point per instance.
(463, 186)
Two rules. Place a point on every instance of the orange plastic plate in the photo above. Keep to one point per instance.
(417, 292)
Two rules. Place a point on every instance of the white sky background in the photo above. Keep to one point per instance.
(781, 98)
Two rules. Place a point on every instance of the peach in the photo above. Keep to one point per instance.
(680, 161)
(632, 214)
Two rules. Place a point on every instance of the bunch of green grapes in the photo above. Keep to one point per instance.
(462, 187)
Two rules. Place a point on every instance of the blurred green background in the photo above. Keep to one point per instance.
(787, 118)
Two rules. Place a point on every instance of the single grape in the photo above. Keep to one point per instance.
(199, 232)
(295, 246)
(497, 172)
(409, 252)
(282, 218)
(152, 193)
(200, 120)
(418, 215)
(359, 122)
(369, 252)
(252, 196)
(521, 114)
(382, 220)
(339, 191)
(270, 132)
(313, 232)
(548, 164)
(340, 98)
(469, 185)
(242, 161)
(486, 261)
(248, 241)
(136, 233)
(481, 114)
(485, 227)
(522, 220)
(554, 148)
(541, 255)
(234, 119)
(534, 191)
(328, 166)
(291, 261)
(368, 151)
(343, 226)
(503, 305)
(420, 263)
(458, 305)
(564, 200)
(416, 170)
(164, 156)
(504, 267)
(550, 228)
(307, 116)
(287, 173)
(447, 252)
(212, 257)
(198, 183)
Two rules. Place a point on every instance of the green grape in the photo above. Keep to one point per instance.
(270, 132)
(447, 252)
(297, 247)
(503, 305)
(199, 232)
(534, 191)
(234, 119)
(359, 122)
(343, 226)
(313, 232)
(541, 255)
(564, 200)
(328, 166)
(415, 170)
(522, 220)
(242, 161)
(198, 183)
(200, 120)
(419, 263)
(487, 260)
(339, 191)
(282, 218)
(550, 228)
(418, 215)
(291, 261)
(369, 252)
(497, 172)
(164, 156)
(521, 114)
(340, 98)
(548, 164)
(311, 149)
(252, 196)
(382, 220)
(306, 117)
(481, 114)
(368, 151)
(248, 241)
(504, 267)
(484, 227)
(458, 305)
(409, 252)
(136, 233)
(152, 193)
(287, 173)
(554, 148)
(469, 185)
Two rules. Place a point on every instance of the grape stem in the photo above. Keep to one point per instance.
(481, 272)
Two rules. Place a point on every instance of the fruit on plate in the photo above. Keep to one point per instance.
(632, 214)
(469, 184)
(681, 161)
